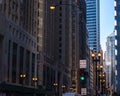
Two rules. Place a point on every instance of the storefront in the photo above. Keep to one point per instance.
(7, 89)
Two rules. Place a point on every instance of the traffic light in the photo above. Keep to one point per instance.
(82, 78)
(82, 75)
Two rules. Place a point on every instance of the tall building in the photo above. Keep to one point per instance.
(78, 48)
(93, 23)
(39, 43)
(117, 44)
(65, 43)
(110, 62)
(56, 68)
(18, 46)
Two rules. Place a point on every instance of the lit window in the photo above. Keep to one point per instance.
(115, 23)
(115, 13)
(115, 72)
(115, 52)
(115, 42)
(115, 32)
(114, 3)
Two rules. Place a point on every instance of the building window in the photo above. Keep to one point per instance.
(8, 60)
(27, 67)
(60, 14)
(60, 32)
(44, 74)
(60, 51)
(33, 65)
(21, 58)
(60, 26)
(60, 8)
(60, 56)
(60, 2)
(60, 38)
(14, 62)
(48, 76)
(60, 20)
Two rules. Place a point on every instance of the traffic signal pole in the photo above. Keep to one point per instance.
(83, 78)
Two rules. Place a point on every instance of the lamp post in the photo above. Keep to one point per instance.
(35, 79)
(55, 86)
(22, 76)
(96, 60)
(52, 7)
(63, 88)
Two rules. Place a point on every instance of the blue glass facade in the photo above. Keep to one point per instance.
(92, 14)
(117, 44)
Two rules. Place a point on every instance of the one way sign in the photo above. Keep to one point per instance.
(83, 91)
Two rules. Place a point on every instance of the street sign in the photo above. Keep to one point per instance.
(83, 91)
(83, 64)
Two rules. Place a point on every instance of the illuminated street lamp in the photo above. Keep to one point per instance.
(71, 89)
(35, 79)
(99, 54)
(22, 75)
(63, 88)
(55, 85)
(101, 66)
(52, 7)
(96, 59)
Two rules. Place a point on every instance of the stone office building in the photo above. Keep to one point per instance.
(65, 43)
(18, 46)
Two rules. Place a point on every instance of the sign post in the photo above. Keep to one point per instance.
(83, 64)
(83, 91)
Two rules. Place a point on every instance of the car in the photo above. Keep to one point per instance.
(71, 94)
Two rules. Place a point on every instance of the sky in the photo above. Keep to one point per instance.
(106, 20)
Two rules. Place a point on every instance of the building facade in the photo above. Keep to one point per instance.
(65, 43)
(78, 43)
(19, 44)
(110, 62)
(43, 44)
(56, 69)
(93, 23)
(117, 44)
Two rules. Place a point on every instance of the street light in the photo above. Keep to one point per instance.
(52, 7)
(35, 79)
(55, 85)
(63, 88)
(96, 59)
(22, 76)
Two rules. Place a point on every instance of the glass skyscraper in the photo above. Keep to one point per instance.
(93, 24)
(117, 43)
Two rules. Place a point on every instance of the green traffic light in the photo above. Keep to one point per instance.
(82, 78)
